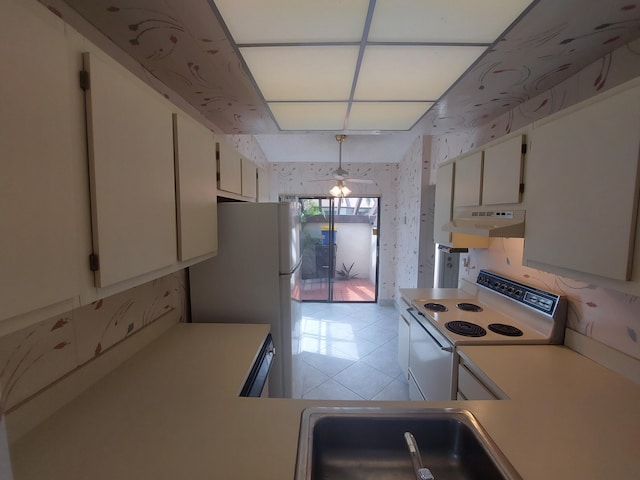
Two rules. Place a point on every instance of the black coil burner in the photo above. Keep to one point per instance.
(435, 307)
(469, 307)
(508, 330)
(466, 329)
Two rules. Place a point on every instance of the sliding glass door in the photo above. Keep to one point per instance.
(340, 249)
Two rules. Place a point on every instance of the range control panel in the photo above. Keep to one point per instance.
(535, 298)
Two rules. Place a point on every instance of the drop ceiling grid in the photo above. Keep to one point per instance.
(301, 54)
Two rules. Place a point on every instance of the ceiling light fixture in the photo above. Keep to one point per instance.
(341, 175)
(340, 190)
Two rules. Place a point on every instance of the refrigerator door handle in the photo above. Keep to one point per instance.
(295, 267)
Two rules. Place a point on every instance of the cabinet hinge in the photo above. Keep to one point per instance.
(94, 262)
(522, 188)
(524, 148)
(84, 80)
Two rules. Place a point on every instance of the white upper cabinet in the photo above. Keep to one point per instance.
(229, 168)
(582, 189)
(41, 160)
(468, 181)
(502, 172)
(444, 203)
(130, 138)
(236, 174)
(196, 194)
(249, 180)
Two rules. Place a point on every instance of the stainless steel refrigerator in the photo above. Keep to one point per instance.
(255, 278)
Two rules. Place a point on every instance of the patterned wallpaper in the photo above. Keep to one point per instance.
(409, 209)
(250, 148)
(32, 358)
(311, 179)
(610, 317)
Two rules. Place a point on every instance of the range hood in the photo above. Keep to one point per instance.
(487, 223)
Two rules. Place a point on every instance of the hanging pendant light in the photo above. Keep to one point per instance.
(342, 176)
(340, 190)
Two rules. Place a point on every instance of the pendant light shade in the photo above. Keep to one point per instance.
(340, 190)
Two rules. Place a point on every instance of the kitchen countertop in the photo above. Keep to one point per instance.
(172, 411)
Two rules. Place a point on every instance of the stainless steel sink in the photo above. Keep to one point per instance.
(368, 443)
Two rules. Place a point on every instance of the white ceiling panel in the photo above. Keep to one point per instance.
(412, 72)
(386, 115)
(322, 147)
(302, 73)
(309, 115)
(284, 21)
(443, 21)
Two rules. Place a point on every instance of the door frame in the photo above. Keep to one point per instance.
(331, 220)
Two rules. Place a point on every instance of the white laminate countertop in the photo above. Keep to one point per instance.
(172, 411)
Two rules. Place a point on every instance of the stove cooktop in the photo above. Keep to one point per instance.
(504, 312)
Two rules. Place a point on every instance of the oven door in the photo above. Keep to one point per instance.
(430, 361)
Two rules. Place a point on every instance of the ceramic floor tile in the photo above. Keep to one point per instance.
(356, 348)
(331, 390)
(385, 360)
(363, 379)
(395, 391)
(311, 377)
(350, 352)
(329, 365)
(378, 334)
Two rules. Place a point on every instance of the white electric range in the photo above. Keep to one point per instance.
(504, 312)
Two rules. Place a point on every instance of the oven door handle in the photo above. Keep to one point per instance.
(435, 340)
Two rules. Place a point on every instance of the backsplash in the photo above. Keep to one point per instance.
(612, 318)
(32, 358)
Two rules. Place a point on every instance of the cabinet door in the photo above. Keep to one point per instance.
(196, 193)
(248, 178)
(502, 172)
(403, 340)
(130, 132)
(39, 184)
(444, 203)
(582, 186)
(468, 181)
(229, 168)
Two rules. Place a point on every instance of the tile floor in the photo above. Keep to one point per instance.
(353, 290)
(349, 352)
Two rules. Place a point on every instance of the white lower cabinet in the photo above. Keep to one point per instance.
(130, 138)
(470, 387)
(403, 339)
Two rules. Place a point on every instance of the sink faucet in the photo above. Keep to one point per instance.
(421, 472)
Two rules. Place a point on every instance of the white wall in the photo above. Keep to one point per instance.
(355, 250)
